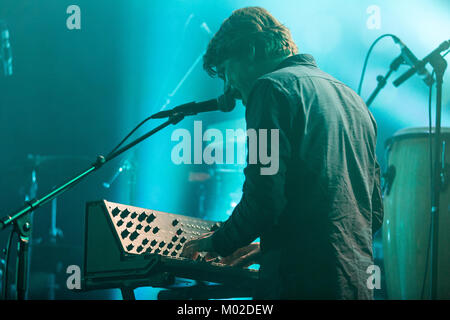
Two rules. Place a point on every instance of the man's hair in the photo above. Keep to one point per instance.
(245, 29)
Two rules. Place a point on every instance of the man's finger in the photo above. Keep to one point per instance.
(211, 256)
(245, 262)
(246, 259)
(190, 254)
(206, 235)
(189, 249)
(240, 261)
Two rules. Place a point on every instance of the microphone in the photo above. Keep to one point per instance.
(412, 60)
(224, 103)
(5, 50)
(419, 66)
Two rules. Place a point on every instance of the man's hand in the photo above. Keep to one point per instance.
(193, 247)
(244, 257)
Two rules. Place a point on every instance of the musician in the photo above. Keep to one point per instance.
(316, 216)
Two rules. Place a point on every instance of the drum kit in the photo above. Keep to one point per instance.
(407, 231)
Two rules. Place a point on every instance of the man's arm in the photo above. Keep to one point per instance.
(377, 202)
(263, 198)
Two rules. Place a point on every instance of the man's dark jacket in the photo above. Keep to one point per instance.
(316, 216)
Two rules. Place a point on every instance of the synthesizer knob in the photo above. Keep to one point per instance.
(215, 226)
(142, 217)
(134, 235)
(115, 211)
(124, 233)
(150, 218)
(124, 213)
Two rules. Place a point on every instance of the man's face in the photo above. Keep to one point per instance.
(238, 77)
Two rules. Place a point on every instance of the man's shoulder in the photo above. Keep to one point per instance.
(291, 81)
(296, 75)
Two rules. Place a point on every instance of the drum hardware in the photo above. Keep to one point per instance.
(20, 218)
(445, 176)
(382, 80)
(124, 166)
(444, 169)
(407, 225)
(23, 227)
(28, 241)
(439, 65)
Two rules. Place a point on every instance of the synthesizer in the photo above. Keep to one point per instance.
(130, 247)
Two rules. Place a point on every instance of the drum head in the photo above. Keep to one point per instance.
(414, 132)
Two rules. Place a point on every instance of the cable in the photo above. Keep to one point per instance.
(431, 179)
(5, 276)
(430, 148)
(366, 60)
(131, 132)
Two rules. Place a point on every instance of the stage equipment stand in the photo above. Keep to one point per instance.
(20, 219)
(439, 65)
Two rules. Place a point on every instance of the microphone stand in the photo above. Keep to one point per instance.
(383, 80)
(20, 219)
(439, 65)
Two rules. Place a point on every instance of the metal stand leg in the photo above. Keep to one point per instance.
(23, 229)
(127, 294)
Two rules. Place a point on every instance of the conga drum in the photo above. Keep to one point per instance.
(407, 217)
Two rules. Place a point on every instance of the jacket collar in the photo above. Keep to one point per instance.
(298, 59)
